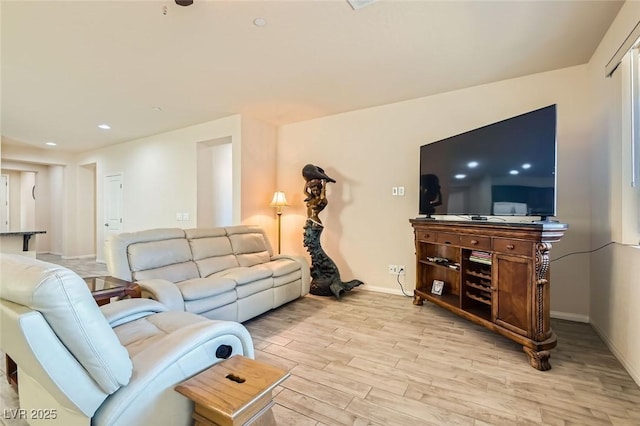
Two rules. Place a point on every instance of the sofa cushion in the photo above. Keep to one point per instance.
(203, 248)
(251, 259)
(210, 246)
(138, 335)
(211, 250)
(175, 273)
(280, 267)
(244, 275)
(116, 245)
(196, 233)
(207, 304)
(286, 279)
(212, 265)
(155, 254)
(199, 288)
(255, 287)
(249, 245)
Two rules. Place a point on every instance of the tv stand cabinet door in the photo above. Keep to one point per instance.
(511, 306)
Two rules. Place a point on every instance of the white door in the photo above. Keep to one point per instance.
(112, 204)
(4, 203)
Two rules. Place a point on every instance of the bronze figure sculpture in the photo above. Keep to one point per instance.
(325, 276)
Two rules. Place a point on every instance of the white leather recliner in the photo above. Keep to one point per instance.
(115, 365)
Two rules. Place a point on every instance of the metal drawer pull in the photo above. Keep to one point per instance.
(510, 246)
(474, 242)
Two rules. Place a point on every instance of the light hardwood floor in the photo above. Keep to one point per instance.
(373, 358)
(376, 359)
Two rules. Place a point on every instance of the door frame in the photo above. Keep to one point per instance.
(106, 204)
(7, 210)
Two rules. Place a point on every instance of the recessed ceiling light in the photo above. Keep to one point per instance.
(460, 176)
(104, 126)
(526, 166)
(51, 143)
(472, 164)
(514, 172)
(259, 22)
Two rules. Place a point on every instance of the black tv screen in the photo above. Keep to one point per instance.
(503, 169)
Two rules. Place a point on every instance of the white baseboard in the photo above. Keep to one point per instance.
(386, 290)
(569, 316)
(83, 256)
(635, 374)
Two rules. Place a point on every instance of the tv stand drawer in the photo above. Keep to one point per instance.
(426, 235)
(475, 242)
(522, 248)
(448, 238)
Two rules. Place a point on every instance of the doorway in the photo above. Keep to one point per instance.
(215, 183)
(112, 205)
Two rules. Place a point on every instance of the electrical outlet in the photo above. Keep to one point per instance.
(401, 191)
(401, 270)
(393, 269)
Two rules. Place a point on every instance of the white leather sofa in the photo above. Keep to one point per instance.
(227, 273)
(79, 364)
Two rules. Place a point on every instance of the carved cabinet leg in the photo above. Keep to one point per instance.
(417, 300)
(538, 359)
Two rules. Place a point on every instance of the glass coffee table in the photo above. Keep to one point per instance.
(104, 288)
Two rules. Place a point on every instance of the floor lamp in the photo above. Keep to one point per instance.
(279, 200)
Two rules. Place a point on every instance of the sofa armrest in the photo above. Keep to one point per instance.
(164, 292)
(128, 310)
(304, 268)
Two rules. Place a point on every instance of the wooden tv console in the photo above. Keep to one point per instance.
(494, 274)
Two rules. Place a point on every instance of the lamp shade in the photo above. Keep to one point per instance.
(279, 199)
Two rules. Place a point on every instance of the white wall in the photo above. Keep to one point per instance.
(27, 200)
(259, 157)
(370, 151)
(160, 175)
(222, 177)
(55, 229)
(85, 202)
(215, 184)
(615, 280)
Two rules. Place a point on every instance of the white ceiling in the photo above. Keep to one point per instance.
(68, 66)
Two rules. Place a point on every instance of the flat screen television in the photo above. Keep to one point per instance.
(503, 169)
